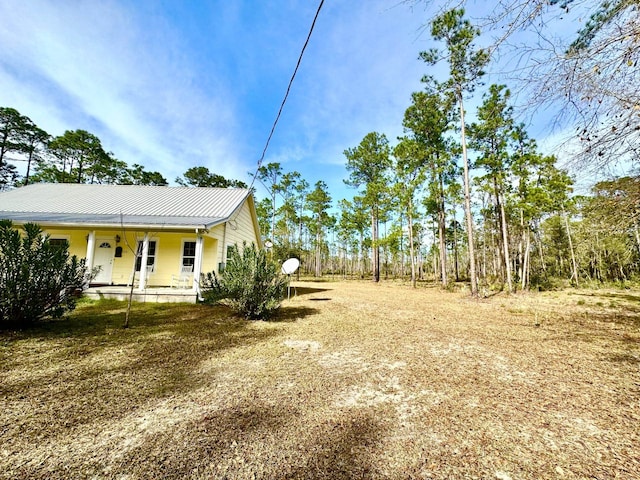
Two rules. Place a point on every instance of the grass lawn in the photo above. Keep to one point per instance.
(354, 380)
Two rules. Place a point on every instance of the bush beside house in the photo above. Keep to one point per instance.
(250, 284)
(38, 277)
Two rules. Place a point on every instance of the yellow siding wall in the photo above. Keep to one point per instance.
(123, 266)
(168, 246)
(240, 228)
(168, 251)
(210, 257)
(77, 240)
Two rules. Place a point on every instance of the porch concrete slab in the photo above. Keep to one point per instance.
(152, 295)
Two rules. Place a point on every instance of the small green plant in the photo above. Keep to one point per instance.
(250, 284)
(37, 278)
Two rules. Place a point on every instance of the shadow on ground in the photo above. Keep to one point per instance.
(302, 291)
(293, 313)
(254, 439)
(85, 354)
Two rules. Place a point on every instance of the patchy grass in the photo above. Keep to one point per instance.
(354, 380)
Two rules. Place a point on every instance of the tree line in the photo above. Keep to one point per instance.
(454, 200)
(77, 156)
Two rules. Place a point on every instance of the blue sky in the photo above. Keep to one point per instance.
(174, 84)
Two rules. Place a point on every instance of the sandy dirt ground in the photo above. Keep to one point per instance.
(353, 380)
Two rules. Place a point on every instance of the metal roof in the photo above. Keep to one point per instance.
(65, 203)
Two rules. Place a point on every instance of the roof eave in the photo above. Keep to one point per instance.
(120, 226)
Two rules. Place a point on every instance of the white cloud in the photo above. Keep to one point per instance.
(106, 69)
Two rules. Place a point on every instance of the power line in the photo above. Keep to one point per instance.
(284, 100)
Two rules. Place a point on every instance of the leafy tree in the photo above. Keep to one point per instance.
(465, 69)
(32, 142)
(490, 137)
(319, 202)
(10, 120)
(428, 119)
(294, 190)
(616, 203)
(251, 284)
(10, 124)
(19, 135)
(137, 175)
(8, 176)
(368, 165)
(109, 170)
(608, 240)
(202, 177)
(77, 153)
(410, 174)
(269, 176)
(455, 230)
(354, 219)
(263, 211)
(38, 279)
(559, 187)
(591, 81)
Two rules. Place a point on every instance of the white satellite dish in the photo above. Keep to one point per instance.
(290, 266)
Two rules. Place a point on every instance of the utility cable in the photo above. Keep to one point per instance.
(284, 100)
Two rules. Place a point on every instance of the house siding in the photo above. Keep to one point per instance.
(210, 256)
(77, 239)
(239, 228)
(169, 237)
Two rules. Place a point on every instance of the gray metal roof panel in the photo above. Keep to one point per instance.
(101, 204)
(110, 220)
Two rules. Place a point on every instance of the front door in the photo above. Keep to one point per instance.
(103, 258)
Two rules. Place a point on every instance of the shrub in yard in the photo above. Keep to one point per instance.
(250, 284)
(37, 278)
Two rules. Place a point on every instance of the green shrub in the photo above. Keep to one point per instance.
(250, 284)
(37, 279)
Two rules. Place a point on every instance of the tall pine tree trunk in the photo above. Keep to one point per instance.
(318, 252)
(467, 202)
(521, 244)
(574, 266)
(441, 234)
(375, 250)
(412, 246)
(505, 243)
(526, 260)
(455, 244)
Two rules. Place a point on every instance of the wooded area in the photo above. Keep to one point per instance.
(453, 199)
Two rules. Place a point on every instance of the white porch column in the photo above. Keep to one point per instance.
(143, 262)
(197, 267)
(91, 249)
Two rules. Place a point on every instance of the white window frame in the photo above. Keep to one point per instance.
(182, 255)
(139, 246)
(60, 237)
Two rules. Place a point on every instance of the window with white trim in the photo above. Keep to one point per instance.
(151, 255)
(59, 242)
(188, 253)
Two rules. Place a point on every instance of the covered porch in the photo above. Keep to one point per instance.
(150, 294)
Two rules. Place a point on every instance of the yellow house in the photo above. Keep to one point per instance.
(176, 232)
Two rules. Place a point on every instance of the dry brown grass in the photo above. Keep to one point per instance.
(355, 380)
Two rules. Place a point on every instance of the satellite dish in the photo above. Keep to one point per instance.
(290, 266)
